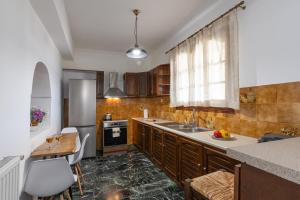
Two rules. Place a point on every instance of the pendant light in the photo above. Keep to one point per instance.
(136, 51)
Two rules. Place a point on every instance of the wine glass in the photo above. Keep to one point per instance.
(49, 141)
(58, 138)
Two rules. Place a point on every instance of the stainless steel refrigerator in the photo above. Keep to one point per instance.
(82, 112)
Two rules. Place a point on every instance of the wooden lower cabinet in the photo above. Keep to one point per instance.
(215, 159)
(179, 157)
(170, 154)
(252, 183)
(190, 159)
(139, 135)
(157, 146)
(147, 140)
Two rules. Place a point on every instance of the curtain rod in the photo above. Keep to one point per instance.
(239, 5)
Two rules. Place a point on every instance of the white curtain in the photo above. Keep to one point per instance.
(204, 68)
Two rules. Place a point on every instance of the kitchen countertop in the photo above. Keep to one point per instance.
(203, 137)
(280, 158)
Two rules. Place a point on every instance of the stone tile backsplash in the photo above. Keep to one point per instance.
(275, 107)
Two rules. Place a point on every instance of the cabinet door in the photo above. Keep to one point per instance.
(157, 146)
(153, 78)
(215, 160)
(190, 160)
(257, 184)
(147, 140)
(131, 84)
(139, 135)
(100, 84)
(170, 153)
(143, 84)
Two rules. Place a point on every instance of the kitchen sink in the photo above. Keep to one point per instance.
(178, 126)
(182, 127)
(193, 130)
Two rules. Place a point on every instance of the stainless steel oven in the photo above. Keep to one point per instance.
(114, 133)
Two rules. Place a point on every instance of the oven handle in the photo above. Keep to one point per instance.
(109, 128)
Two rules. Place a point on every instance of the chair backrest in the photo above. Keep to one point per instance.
(72, 130)
(48, 177)
(79, 155)
(69, 130)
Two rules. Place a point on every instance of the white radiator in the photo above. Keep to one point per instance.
(9, 178)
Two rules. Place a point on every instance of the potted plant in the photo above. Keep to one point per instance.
(37, 116)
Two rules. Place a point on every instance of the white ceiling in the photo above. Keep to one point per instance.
(108, 24)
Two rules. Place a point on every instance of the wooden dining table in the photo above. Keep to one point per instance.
(65, 146)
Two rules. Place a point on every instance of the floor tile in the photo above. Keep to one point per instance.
(127, 176)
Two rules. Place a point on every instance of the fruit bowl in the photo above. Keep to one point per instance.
(222, 135)
(230, 138)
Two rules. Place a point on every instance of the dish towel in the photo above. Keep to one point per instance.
(116, 132)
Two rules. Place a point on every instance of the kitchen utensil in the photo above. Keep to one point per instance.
(107, 117)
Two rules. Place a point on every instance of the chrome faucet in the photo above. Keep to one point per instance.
(193, 124)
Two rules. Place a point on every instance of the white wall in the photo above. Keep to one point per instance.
(41, 82)
(24, 42)
(269, 40)
(54, 17)
(106, 61)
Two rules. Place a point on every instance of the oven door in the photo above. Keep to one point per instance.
(111, 139)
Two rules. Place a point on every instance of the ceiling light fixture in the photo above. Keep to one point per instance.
(136, 51)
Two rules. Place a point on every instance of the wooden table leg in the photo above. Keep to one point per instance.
(68, 195)
(78, 181)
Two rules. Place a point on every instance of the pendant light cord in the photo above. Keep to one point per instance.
(136, 12)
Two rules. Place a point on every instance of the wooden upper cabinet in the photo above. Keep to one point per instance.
(161, 80)
(137, 84)
(131, 84)
(144, 84)
(190, 159)
(153, 82)
(100, 84)
(170, 154)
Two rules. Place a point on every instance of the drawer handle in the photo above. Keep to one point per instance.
(199, 165)
(204, 168)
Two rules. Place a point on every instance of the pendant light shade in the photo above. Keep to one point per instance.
(136, 51)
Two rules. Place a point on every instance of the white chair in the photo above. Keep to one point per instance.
(75, 160)
(49, 177)
(78, 143)
(69, 130)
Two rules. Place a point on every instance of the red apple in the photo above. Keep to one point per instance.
(217, 134)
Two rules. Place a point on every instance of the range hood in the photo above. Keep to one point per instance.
(113, 90)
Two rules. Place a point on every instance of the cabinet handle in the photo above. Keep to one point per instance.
(199, 165)
(204, 168)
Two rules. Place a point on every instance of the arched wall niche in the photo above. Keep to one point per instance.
(41, 97)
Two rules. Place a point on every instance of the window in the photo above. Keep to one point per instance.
(183, 79)
(216, 70)
(204, 69)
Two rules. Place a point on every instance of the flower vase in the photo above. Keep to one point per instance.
(34, 123)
